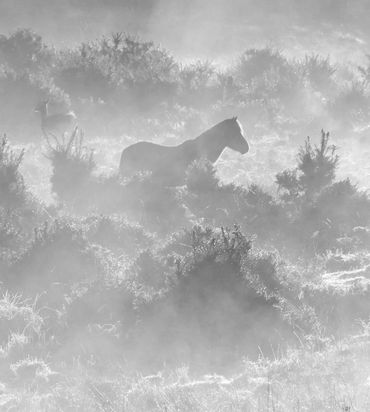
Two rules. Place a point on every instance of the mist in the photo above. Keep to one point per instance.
(198, 29)
(184, 205)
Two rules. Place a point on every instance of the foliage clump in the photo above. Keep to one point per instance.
(72, 165)
(201, 177)
(24, 50)
(315, 170)
(58, 253)
(209, 303)
(321, 210)
(12, 187)
(117, 234)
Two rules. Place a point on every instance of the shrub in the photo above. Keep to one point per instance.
(351, 106)
(260, 214)
(315, 170)
(121, 70)
(158, 208)
(254, 62)
(209, 304)
(200, 85)
(321, 211)
(72, 165)
(149, 272)
(83, 74)
(343, 207)
(319, 72)
(58, 253)
(115, 233)
(201, 177)
(12, 187)
(24, 50)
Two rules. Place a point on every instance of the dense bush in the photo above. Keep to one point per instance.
(44, 260)
(118, 79)
(351, 106)
(72, 165)
(319, 73)
(321, 210)
(24, 50)
(12, 188)
(315, 170)
(210, 303)
(116, 234)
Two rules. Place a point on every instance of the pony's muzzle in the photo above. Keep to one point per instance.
(245, 148)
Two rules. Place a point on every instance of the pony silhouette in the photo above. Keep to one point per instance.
(168, 164)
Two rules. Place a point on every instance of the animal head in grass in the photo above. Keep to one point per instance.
(56, 123)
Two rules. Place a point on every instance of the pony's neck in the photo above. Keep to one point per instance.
(212, 143)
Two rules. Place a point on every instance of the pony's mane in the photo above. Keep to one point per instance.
(240, 126)
(222, 124)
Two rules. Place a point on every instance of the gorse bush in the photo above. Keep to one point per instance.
(117, 234)
(72, 165)
(351, 105)
(201, 177)
(320, 210)
(253, 62)
(319, 72)
(12, 187)
(210, 304)
(316, 170)
(24, 50)
(137, 69)
(100, 78)
(44, 261)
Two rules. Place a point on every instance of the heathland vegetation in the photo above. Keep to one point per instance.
(125, 294)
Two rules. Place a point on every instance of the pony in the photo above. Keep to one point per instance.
(168, 164)
(54, 123)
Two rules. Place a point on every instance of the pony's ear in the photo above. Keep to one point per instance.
(235, 118)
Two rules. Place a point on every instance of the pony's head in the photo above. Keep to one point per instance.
(234, 135)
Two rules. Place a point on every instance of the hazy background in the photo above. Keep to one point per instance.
(201, 29)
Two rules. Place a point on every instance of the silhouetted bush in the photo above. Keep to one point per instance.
(158, 208)
(24, 50)
(261, 214)
(254, 62)
(58, 253)
(315, 170)
(319, 72)
(226, 204)
(321, 211)
(201, 85)
(12, 187)
(201, 177)
(72, 165)
(120, 70)
(210, 304)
